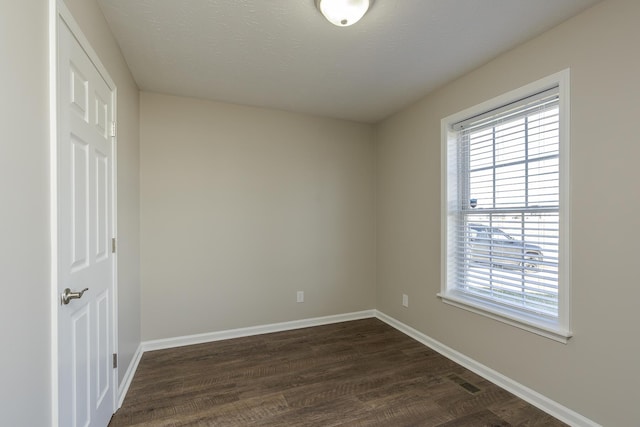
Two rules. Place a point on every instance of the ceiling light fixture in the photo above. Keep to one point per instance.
(343, 12)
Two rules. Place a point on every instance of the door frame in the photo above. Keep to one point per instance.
(58, 10)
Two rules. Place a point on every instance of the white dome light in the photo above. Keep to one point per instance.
(343, 12)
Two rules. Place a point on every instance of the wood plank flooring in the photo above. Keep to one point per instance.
(360, 373)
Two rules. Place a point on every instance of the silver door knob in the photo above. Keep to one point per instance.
(67, 295)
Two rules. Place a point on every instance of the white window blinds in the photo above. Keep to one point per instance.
(504, 220)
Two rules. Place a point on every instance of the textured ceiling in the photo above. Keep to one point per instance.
(283, 54)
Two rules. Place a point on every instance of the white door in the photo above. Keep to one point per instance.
(85, 229)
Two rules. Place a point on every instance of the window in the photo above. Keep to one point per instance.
(505, 238)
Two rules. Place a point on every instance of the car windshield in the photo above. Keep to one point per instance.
(493, 233)
(499, 234)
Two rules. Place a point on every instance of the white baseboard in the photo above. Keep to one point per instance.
(252, 330)
(128, 376)
(536, 399)
(549, 406)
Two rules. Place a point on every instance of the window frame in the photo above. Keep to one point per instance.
(557, 329)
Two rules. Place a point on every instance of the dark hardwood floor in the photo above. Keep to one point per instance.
(360, 373)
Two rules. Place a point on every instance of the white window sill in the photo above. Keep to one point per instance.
(535, 324)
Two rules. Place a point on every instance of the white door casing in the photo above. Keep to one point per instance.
(85, 191)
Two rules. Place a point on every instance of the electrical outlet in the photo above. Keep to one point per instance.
(300, 296)
(405, 300)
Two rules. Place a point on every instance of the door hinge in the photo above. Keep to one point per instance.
(114, 129)
(113, 245)
(115, 360)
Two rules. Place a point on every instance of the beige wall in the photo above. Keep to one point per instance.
(242, 207)
(24, 216)
(90, 19)
(596, 373)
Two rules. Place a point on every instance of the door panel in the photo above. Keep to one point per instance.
(79, 92)
(81, 356)
(85, 227)
(102, 206)
(103, 367)
(79, 203)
